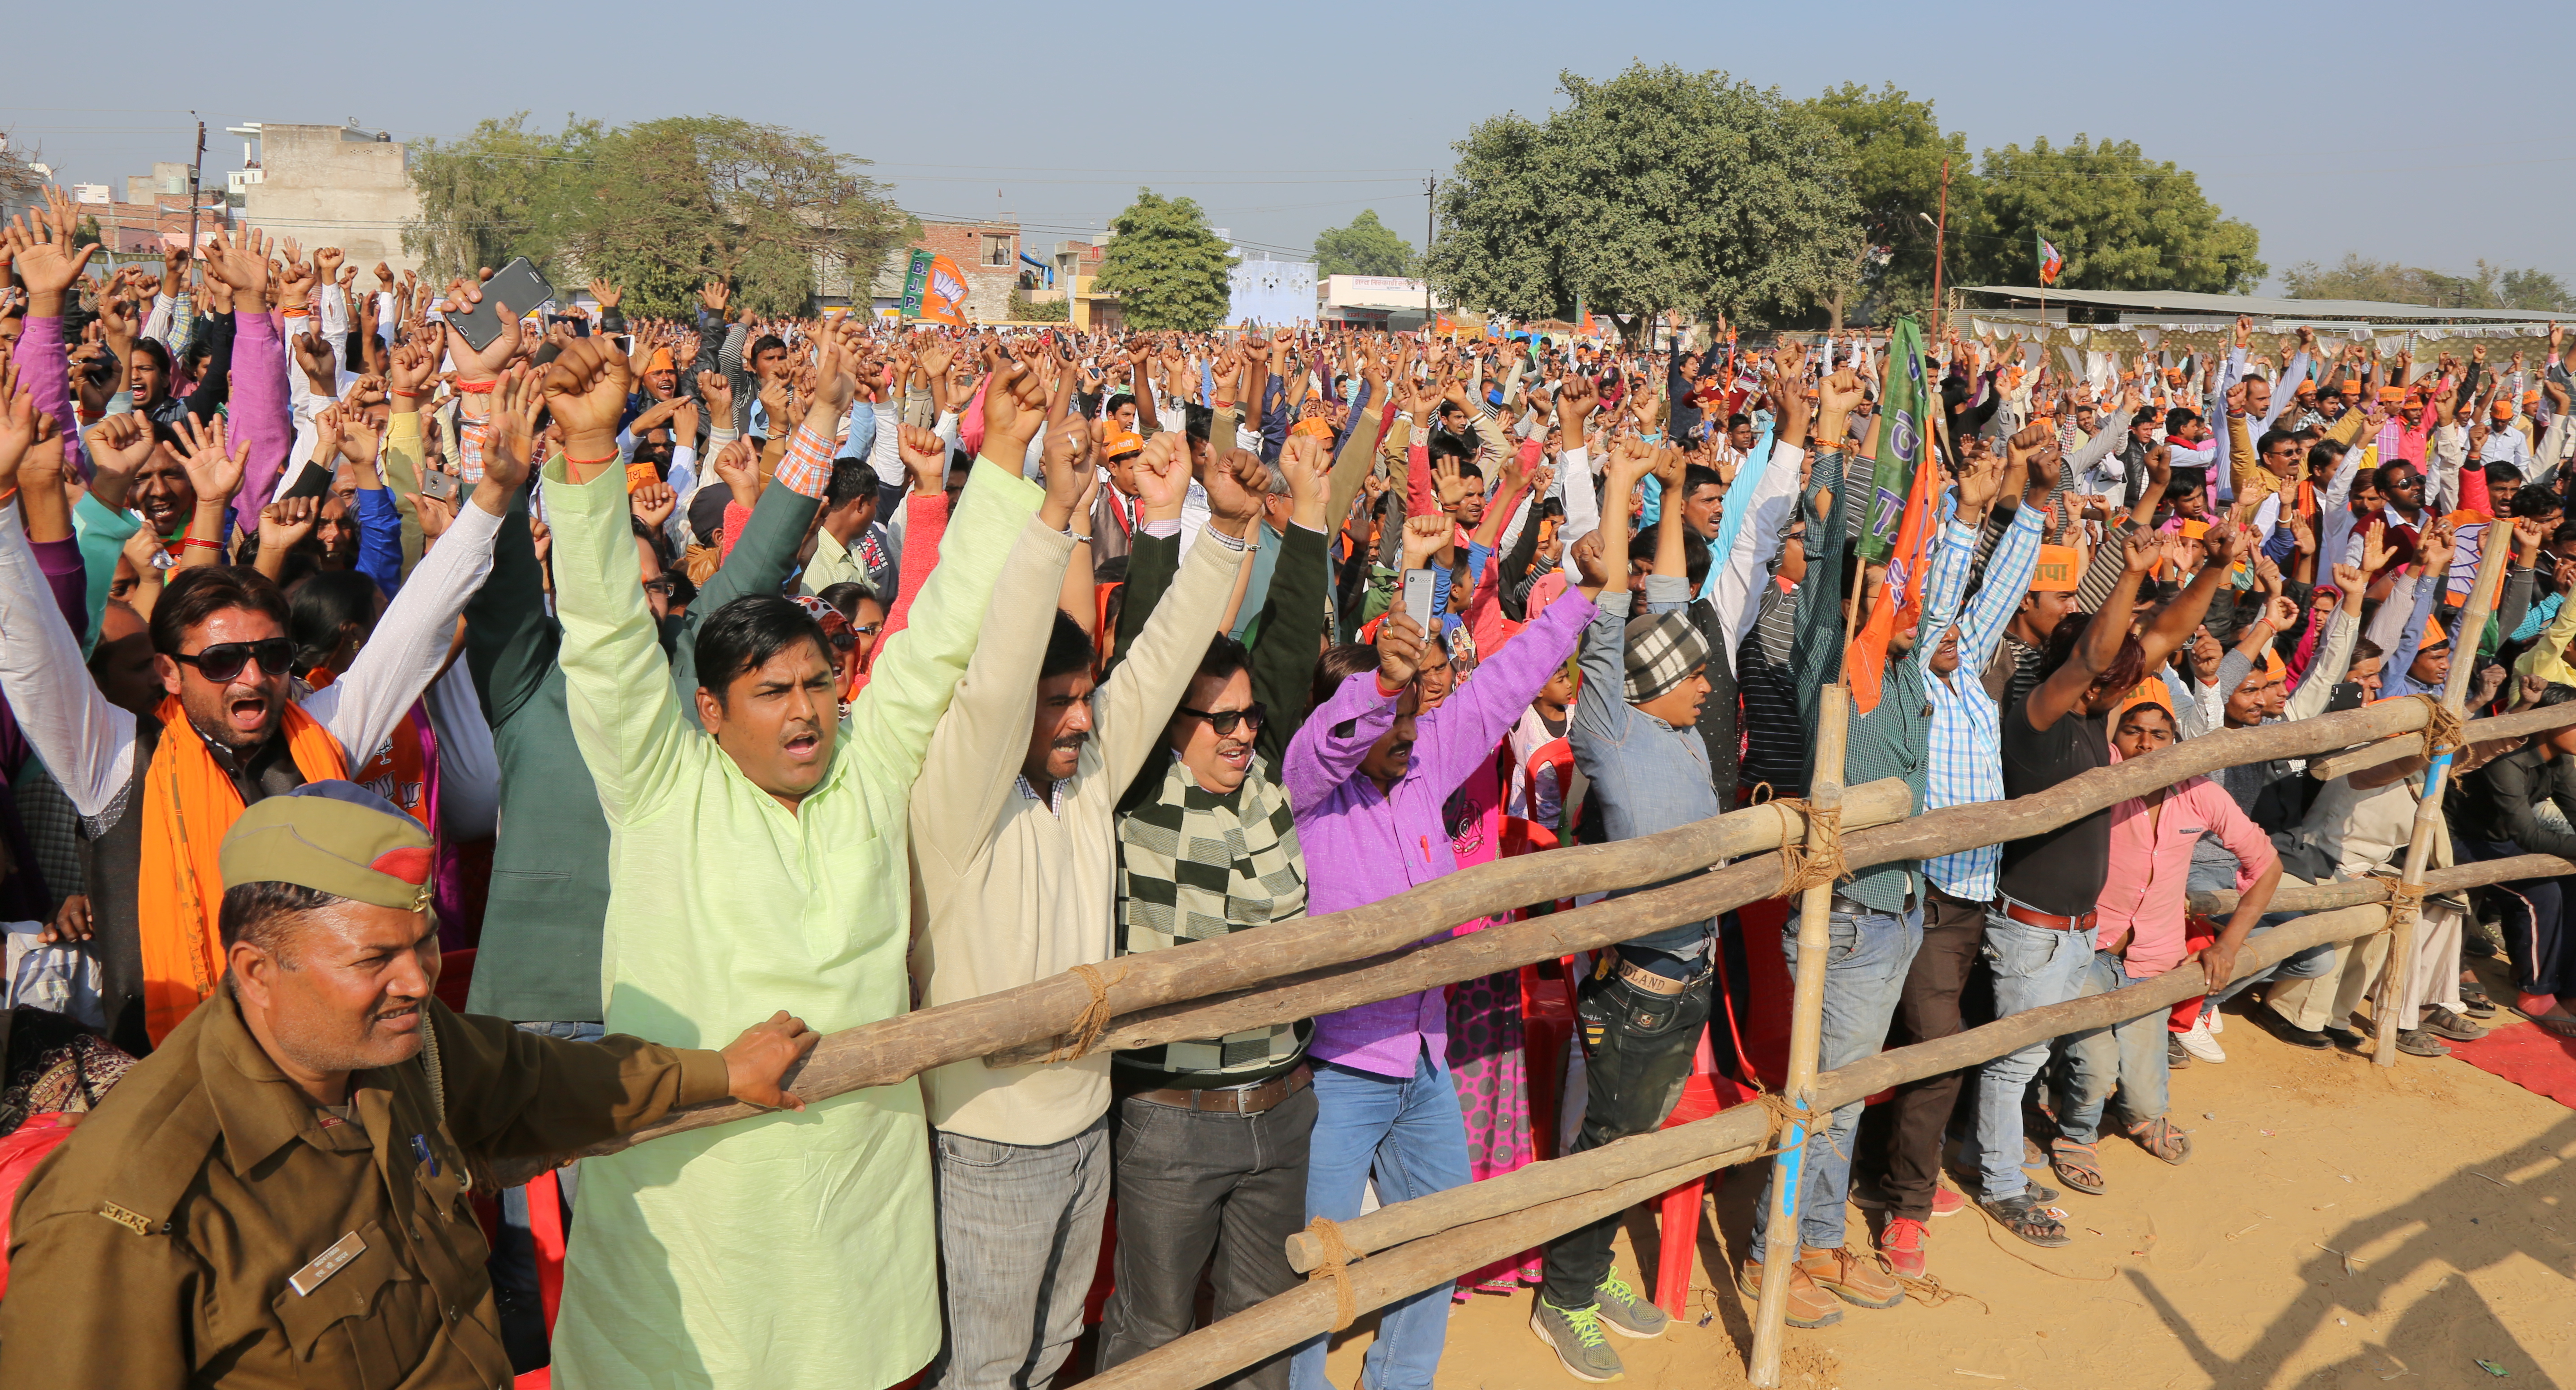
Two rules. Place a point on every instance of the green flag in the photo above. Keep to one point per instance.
(1903, 419)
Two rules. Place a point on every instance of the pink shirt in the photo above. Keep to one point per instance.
(2151, 867)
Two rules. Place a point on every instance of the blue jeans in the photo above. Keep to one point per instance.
(1410, 1132)
(2032, 967)
(1865, 966)
(2127, 1057)
(513, 1266)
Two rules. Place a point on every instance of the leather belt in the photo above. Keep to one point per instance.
(1637, 976)
(2031, 916)
(1247, 1100)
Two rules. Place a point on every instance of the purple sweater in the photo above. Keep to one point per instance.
(44, 365)
(259, 412)
(1362, 845)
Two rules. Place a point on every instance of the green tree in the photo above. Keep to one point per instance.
(2121, 220)
(504, 190)
(685, 199)
(2359, 277)
(1895, 148)
(1167, 269)
(1366, 247)
(1656, 190)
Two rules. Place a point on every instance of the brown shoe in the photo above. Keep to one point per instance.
(1809, 1306)
(1855, 1279)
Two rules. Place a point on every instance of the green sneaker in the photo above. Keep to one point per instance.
(1575, 1336)
(1623, 1312)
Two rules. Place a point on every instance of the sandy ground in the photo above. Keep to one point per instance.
(2338, 1225)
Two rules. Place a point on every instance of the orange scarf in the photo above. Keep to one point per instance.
(188, 804)
(394, 774)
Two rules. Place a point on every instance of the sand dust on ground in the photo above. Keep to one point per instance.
(2338, 1227)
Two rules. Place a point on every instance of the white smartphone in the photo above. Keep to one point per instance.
(1417, 598)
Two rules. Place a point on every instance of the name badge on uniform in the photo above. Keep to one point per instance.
(329, 1262)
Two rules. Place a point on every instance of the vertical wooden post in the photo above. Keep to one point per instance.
(1806, 1031)
(2393, 977)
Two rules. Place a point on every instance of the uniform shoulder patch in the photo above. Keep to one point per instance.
(131, 1220)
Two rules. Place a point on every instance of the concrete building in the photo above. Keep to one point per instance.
(987, 252)
(328, 185)
(1375, 301)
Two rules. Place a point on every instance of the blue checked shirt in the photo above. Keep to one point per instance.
(1967, 733)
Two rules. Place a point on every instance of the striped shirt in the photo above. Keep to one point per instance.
(1967, 736)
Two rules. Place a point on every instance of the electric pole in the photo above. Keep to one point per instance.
(1430, 186)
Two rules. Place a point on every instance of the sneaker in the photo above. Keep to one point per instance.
(1901, 1245)
(2197, 1040)
(1946, 1202)
(2313, 1039)
(1859, 1280)
(2417, 1042)
(2450, 1025)
(2349, 1039)
(1575, 1336)
(2217, 1021)
(1623, 1312)
(1808, 1306)
(2175, 1058)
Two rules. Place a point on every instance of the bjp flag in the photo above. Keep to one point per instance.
(943, 293)
(2050, 263)
(1905, 496)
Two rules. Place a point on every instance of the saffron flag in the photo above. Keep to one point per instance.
(943, 296)
(1905, 490)
(2049, 262)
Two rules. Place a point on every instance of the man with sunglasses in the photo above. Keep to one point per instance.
(156, 792)
(1014, 862)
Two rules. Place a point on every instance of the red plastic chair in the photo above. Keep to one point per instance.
(1677, 1213)
(1547, 1030)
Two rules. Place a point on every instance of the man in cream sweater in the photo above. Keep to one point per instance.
(1015, 871)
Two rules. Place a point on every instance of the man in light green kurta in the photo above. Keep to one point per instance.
(790, 1250)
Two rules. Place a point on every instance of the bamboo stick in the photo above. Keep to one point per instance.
(891, 1050)
(1806, 1036)
(1404, 1221)
(2518, 724)
(1559, 1195)
(2400, 966)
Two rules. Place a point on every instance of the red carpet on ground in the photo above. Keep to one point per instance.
(2527, 1055)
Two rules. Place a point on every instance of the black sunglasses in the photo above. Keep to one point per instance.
(222, 661)
(1223, 722)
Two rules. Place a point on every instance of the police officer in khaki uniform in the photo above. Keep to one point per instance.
(277, 1195)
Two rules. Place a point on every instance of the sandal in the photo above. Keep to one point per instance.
(2561, 1024)
(2077, 1165)
(2027, 1218)
(2159, 1137)
(2474, 996)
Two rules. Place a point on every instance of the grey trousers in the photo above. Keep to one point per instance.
(1196, 1186)
(1019, 1240)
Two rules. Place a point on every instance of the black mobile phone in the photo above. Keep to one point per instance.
(579, 324)
(519, 286)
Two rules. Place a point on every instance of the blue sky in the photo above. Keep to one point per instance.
(1286, 120)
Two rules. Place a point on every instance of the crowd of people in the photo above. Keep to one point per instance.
(723, 683)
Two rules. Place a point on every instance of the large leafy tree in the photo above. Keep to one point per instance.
(1167, 269)
(1658, 189)
(504, 190)
(1365, 247)
(1896, 148)
(2359, 277)
(658, 208)
(686, 199)
(2122, 221)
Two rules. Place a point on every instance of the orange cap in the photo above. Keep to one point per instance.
(2434, 636)
(2151, 691)
(2502, 409)
(2060, 570)
(2391, 395)
(1124, 444)
(660, 361)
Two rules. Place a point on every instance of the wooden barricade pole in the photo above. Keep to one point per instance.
(2404, 908)
(1806, 1034)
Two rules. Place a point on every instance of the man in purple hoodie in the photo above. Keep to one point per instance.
(1368, 776)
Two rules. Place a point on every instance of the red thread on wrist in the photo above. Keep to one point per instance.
(590, 463)
(1384, 690)
(407, 395)
(7, 497)
(215, 546)
(476, 388)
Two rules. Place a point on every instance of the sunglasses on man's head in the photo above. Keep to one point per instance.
(222, 661)
(1224, 722)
